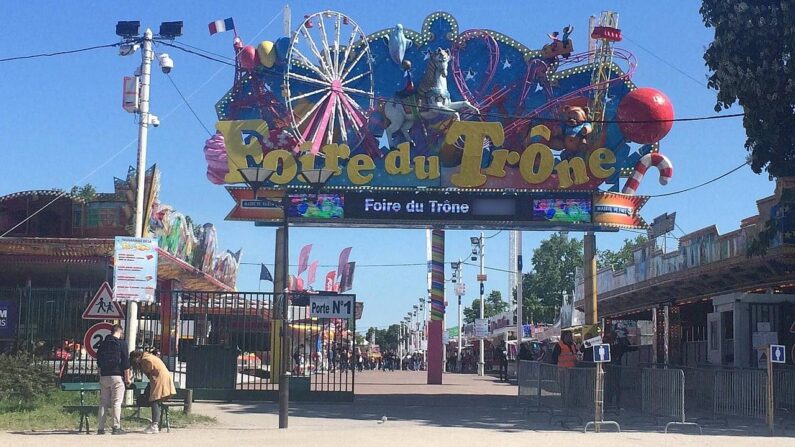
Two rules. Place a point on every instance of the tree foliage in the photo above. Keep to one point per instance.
(387, 338)
(491, 307)
(86, 192)
(554, 263)
(623, 256)
(749, 59)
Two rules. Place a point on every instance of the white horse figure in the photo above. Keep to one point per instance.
(431, 99)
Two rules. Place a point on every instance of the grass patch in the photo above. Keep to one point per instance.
(47, 413)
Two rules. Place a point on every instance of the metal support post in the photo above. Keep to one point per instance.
(284, 380)
(482, 252)
(589, 259)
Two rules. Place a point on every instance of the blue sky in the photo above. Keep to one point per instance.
(62, 121)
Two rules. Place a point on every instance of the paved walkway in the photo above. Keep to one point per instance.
(466, 410)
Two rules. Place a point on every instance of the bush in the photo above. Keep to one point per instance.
(23, 381)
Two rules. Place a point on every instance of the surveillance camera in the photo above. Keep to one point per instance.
(166, 63)
(128, 49)
(154, 120)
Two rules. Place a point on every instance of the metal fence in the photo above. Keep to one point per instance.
(705, 394)
(223, 345)
(741, 392)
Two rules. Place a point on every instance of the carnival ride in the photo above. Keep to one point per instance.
(329, 82)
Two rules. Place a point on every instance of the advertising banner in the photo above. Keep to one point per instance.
(134, 269)
(481, 327)
(8, 319)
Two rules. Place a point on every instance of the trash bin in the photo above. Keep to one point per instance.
(212, 367)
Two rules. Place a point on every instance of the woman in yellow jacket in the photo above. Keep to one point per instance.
(161, 385)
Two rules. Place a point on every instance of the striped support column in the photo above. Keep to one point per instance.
(435, 326)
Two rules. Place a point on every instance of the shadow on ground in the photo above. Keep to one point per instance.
(502, 413)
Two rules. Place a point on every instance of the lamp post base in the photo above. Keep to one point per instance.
(284, 399)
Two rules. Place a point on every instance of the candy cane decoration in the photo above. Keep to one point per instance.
(660, 161)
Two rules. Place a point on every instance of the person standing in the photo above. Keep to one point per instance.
(161, 385)
(501, 355)
(565, 352)
(113, 362)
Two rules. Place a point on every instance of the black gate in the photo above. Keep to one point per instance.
(221, 345)
(227, 345)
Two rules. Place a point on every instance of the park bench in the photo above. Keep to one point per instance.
(180, 400)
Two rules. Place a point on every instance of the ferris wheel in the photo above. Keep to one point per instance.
(328, 85)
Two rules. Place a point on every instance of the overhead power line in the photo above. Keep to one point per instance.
(702, 184)
(59, 53)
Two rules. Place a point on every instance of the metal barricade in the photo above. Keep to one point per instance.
(663, 395)
(784, 388)
(550, 388)
(529, 381)
(740, 392)
(622, 388)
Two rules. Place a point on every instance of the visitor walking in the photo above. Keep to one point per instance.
(565, 352)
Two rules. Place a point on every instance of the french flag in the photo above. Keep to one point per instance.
(220, 26)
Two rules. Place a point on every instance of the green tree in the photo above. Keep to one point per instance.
(492, 306)
(387, 338)
(554, 263)
(623, 256)
(86, 192)
(749, 59)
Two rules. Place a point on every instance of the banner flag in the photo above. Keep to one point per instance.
(346, 282)
(303, 258)
(344, 254)
(221, 26)
(310, 276)
(330, 277)
(265, 274)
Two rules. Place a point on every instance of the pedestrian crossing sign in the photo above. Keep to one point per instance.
(102, 306)
(601, 353)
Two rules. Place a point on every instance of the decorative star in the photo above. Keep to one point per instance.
(371, 58)
(426, 54)
(506, 64)
(470, 74)
(267, 86)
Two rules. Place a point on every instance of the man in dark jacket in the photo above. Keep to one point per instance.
(113, 361)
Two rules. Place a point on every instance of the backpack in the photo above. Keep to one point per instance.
(109, 354)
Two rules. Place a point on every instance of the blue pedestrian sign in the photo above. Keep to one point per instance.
(777, 354)
(601, 353)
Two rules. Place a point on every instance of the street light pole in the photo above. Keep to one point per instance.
(143, 136)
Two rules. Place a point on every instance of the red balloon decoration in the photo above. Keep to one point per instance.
(248, 57)
(650, 106)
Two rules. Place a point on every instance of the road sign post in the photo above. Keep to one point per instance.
(601, 354)
(94, 337)
(775, 354)
(102, 306)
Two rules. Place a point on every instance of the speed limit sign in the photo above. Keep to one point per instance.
(94, 337)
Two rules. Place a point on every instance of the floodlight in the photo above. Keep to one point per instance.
(474, 240)
(170, 30)
(127, 29)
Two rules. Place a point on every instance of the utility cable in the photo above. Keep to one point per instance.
(60, 53)
(127, 146)
(702, 184)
